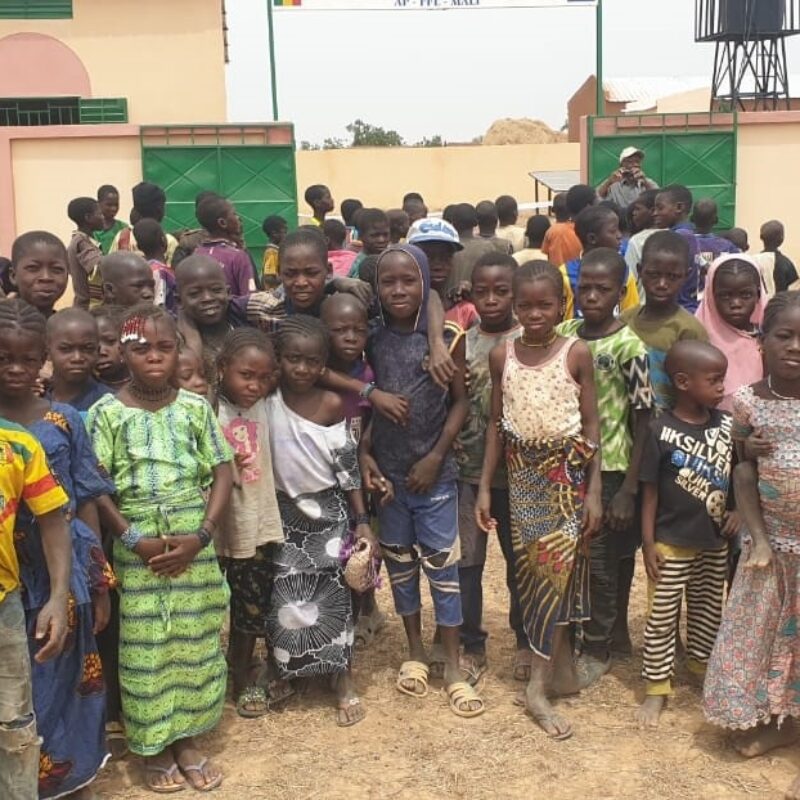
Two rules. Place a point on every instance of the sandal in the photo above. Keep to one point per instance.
(116, 740)
(205, 787)
(416, 671)
(252, 696)
(522, 666)
(460, 695)
(168, 772)
(552, 721)
(344, 707)
(473, 666)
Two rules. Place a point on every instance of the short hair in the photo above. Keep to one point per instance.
(368, 270)
(737, 237)
(111, 312)
(494, 259)
(606, 257)
(369, 218)
(647, 199)
(667, 242)
(148, 199)
(507, 209)
(25, 241)
(335, 232)
(210, 210)
(579, 197)
(398, 221)
(349, 208)
(19, 315)
(704, 213)
(781, 302)
(449, 211)
(305, 237)
(273, 224)
(538, 270)
(465, 217)
(559, 206)
(486, 213)
(67, 315)
(80, 208)
(204, 195)
(343, 299)
(678, 193)
(315, 193)
(105, 190)
(149, 235)
(241, 338)
(536, 228)
(591, 220)
(736, 266)
(115, 265)
(622, 214)
(306, 326)
(412, 196)
(148, 311)
(690, 354)
(772, 232)
(194, 262)
(415, 206)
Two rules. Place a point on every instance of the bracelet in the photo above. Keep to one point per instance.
(367, 389)
(130, 537)
(204, 536)
(209, 525)
(362, 519)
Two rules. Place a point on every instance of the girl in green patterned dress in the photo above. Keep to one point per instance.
(171, 466)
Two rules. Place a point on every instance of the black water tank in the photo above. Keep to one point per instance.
(751, 18)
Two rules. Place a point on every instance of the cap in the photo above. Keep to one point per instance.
(630, 151)
(433, 230)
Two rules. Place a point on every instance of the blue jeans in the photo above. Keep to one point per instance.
(421, 530)
(19, 743)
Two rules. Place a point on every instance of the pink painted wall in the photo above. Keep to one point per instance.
(35, 65)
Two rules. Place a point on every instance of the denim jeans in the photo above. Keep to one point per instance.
(19, 743)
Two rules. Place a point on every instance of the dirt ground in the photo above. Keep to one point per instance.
(410, 749)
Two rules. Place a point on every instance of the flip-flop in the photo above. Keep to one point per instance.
(460, 695)
(206, 787)
(549, 719)
(252, 695)
(344, 706)
(169, 772)
(116, 740)
(416, 671)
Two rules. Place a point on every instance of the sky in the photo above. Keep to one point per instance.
(448, 73)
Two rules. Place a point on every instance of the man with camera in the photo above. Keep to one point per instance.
(625, 184)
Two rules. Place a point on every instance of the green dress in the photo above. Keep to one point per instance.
(106, 238)
(171, 667)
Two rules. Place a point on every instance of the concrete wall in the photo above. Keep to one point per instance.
(165, 57)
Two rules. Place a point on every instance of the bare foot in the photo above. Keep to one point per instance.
(545, 716)
(764, 738)
(649, 711)
(196, 768)
(563, 683)
(349, 708)
(793, 792)
(760, 555)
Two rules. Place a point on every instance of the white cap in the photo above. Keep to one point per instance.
(630, 151)
(432, 229)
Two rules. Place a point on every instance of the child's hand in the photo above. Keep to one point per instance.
(441, 366)
(361, 289)
(422, 476)
(51, 629)
(592, 518)
(363, 531)
(149, 548)
(374, 481)
(181, 552)
(760, 555)
(653, 561)
(621, 510)
(39, 387)
(101, 605)
(393, 406)
(483, 514)
(731, 525)
(757, 446)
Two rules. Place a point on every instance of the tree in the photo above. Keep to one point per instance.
(366, 135)
(431, 141)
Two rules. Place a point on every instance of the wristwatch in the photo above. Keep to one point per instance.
(204, 536)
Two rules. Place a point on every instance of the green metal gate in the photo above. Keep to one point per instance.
(253, 166)
(696, 150)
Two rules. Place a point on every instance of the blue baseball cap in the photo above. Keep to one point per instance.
(432, 229)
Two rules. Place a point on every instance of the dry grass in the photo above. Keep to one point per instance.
(410, 749)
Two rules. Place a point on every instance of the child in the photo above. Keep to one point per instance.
(171, 466)
(624, 402)
(68, 692)
(399, 223)
(596, 226)
(491, 290)
(561, 243)
(153, 244)
(349, 209)
(218, 216)
(39, 269)
(783, 272)
(685, 472)
(507, 216)
(751, 679)
(73, 346)
(321, 202)
(419, 514)
(738, 237)
(110, 368)
(340, 258)
(108, 199)
(373, 228)
(486, 213)
(251, 523)
(672, 209)
(705, 218)
(190, 372)
(465, 220)
(661, 322)
(127, 280)
(149, 202)
(275, 229)
(731, 311)
(535, 230)
(415, 207)
(544, 408)
(84, 253)
(641, 213)
(316, 474)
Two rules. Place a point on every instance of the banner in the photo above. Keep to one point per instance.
(423, 5)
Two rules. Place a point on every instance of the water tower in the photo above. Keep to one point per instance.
(750, 58)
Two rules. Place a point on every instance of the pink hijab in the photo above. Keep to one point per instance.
(745, 365)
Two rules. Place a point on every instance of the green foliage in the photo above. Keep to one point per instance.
(366, 135)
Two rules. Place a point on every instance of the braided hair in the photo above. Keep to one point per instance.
(17, 314)
(306, 326)
(781, 302)
(539, 270)
(147, 311)
(735, 266)
(241, 338)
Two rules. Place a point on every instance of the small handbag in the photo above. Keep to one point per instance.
(359, 571)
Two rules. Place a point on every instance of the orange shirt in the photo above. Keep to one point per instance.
(561, 243)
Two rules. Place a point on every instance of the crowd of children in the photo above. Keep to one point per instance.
(202, 442)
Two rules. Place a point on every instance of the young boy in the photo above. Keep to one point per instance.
(73, 349)
(218, 216)
(415, 207)
(507, 216)
(465, 220)
(127, 279)
(349, 210)
(339, 257)
(641, 212)
(84, 253)
(535, 230)
(738, 237)
(491, 292)
(275, 229)
(108, 198)
(705, 218)
(153, 244)
(373, 228)
(624, 402)
(39, 272)
(685, 474)
(561, 243)
(486, 214)
(783, 273)
(149, 202)
(399, 224)
(26, 478)
(321, 202)
(110, 368)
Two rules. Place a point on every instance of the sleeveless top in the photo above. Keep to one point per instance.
(541, 402)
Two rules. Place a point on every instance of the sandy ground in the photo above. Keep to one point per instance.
(410, 749)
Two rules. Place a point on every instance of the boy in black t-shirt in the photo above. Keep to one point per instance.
(685, 472)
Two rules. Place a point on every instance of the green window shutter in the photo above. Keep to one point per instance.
(96, 111)
(35, 9)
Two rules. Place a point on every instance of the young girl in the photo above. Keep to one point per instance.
(731, 311)
(251, 523)
(68, 691)
(310, 624)
(166, 454)
(752, 677)
(39, 269)
(190, 372)
(544, 413)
